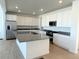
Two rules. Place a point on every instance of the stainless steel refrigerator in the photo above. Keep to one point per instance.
(11, 30)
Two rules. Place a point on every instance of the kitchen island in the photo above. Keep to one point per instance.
(32, 44)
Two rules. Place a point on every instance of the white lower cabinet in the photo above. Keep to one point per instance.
(62, 41)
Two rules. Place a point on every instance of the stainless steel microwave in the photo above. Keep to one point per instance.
(52, 23)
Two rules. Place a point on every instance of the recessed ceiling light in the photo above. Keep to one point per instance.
(41, 9)
(60, 1)
(19, 10)
(16, 7)
(34, 13)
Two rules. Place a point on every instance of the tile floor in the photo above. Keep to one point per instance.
(10, 50)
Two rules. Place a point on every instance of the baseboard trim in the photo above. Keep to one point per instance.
(11, 39)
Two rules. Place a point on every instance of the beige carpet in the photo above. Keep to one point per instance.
(9, 50)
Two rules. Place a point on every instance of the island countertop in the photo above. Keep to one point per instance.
(27, 36)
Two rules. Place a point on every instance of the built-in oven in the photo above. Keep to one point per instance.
(50, 34)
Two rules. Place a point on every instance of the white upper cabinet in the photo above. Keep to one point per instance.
(11, 17)
(27, 21)
(59, 19)
(66, 18)
(52, 17)
(62, 16)
(35, 21)
(45, 20)
(22, 20)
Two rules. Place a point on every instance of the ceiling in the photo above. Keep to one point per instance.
(30, 6)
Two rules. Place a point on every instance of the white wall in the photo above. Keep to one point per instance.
(1, 22)
(76, 13)
(27, 20)
(2, 3)
(2, 19)
(75, 27)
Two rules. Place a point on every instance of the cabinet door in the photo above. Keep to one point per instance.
(35, 22)
(22, 20)
(52, 17)
(45, 20)
(66, 19)
(11, 17)
(59, 19)
(62, 40)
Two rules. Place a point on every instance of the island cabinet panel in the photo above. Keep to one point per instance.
(34, 49)
(22, 47)
(37, 48)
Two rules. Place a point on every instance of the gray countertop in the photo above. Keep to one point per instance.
(26, 36)
(59, 30)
